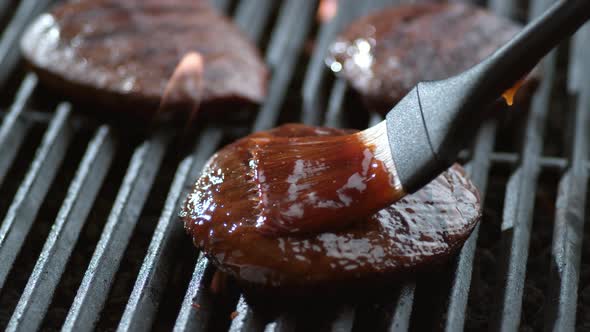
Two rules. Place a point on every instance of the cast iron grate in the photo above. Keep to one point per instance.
(90, 238)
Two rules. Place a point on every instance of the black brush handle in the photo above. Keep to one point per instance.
(429, 126)
(518, 57)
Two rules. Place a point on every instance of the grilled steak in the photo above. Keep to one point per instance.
(122, 53)
(416, 232)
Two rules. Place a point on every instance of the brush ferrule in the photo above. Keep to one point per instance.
(411, 147)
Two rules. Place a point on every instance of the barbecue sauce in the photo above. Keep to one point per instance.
(412, 234)
(301, 189)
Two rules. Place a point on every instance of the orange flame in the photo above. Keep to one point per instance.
(511, 93)
(185, 84)
(327, 10)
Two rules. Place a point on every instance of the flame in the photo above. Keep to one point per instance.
(327, 10)
(185, 83)
(511, 93)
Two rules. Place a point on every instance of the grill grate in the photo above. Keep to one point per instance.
(13, 131)
(569, 217)
(414, 305)
(31, 193)
(61, 240)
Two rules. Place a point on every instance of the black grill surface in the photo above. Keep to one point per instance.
(90, 239)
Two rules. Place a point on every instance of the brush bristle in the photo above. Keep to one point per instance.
(376, 137)
(310, 184)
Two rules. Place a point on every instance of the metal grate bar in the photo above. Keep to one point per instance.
(14, 130)
(115, 236)
(278, 47)
(403, 308)
(252, 16)
(516, 229)
(197, 306)
(478, 170)
(32, 115)
(570, 215)
(247, 319)
(284, 323)
(334, 116)
(519, 204)
(40, 287)
(155, 267)
(578, 53)
(9, 50)
(566, 251)
(344, 320)
(153, 276)
(31, 193)
(270, 110)
(316, 71)
(554, 163)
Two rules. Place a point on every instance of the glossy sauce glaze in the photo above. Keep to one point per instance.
(122, 53)
(419, 230)
(302, 188)
(385, 54)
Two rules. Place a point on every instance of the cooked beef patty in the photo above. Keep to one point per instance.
(385, 54)
(417, 232)
(122, 53)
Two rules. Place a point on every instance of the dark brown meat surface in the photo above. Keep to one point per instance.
(121, 53)
(418, 231)
(385, 54)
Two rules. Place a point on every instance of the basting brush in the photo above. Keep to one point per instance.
(316, 183)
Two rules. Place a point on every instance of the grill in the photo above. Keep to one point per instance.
(89, 236)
